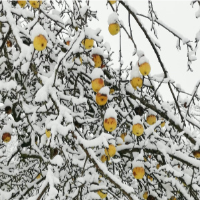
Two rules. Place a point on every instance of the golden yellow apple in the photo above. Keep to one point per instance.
(137, 129)
(101, 99)
(38, 176)
(196, 154)
(110, 151)
(145, 195)
(157, 166)
(145, 69)
(114, 29)
(151, 119)
(112, 90)
(48, 133)
(150, 178)
(162, 124)
(101, 194)
(40, 42)
(110, 124)
(88, 43)
(138, 172)
(22, 3)
(112, 2)
(136, 82)
(123, 135)
(97, 60)
(105, 158)
(35, 3)
(6, 137)
(97, 84)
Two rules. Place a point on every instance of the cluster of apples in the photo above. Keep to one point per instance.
(34, 3)
(144, 69)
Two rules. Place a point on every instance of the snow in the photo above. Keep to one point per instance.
(110, 113)
(57, 160)
(104, 90)
(96, 73)
(83, 10)
(137, 119)
(142, 60)
(135, 72)
(138, 163)
(8, 85)
(98, 51)
(151, 112)
(38, 30)
(113, 18)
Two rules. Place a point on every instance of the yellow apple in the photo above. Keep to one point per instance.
(112, 2)
(48, 133)
(150, 178)
(68, 43)
(123, 135)
(6, 137)
(112, 90)
(104, 158)
(40, 42)
(136, 82)
(110, 124)
(137, 129)
(196, 154)
(157, 166)
(88, 43)
(110, 151)
(145, 160)
(145, 195)
(97, 60)
(35, 3)
(38, 176)
(114, 29)
(145, 69)
(97, 84)
(101, 194)
(151, 119)
(162, 124)
(9, 43)
(22, 3)
(138, 172)
(101, 99)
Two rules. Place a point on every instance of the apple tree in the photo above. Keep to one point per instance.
(74, 127)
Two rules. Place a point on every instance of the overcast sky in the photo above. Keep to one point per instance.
(177, 14)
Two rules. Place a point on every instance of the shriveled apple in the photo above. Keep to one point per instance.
(6, 137)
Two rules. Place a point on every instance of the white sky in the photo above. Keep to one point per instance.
(177, 14)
